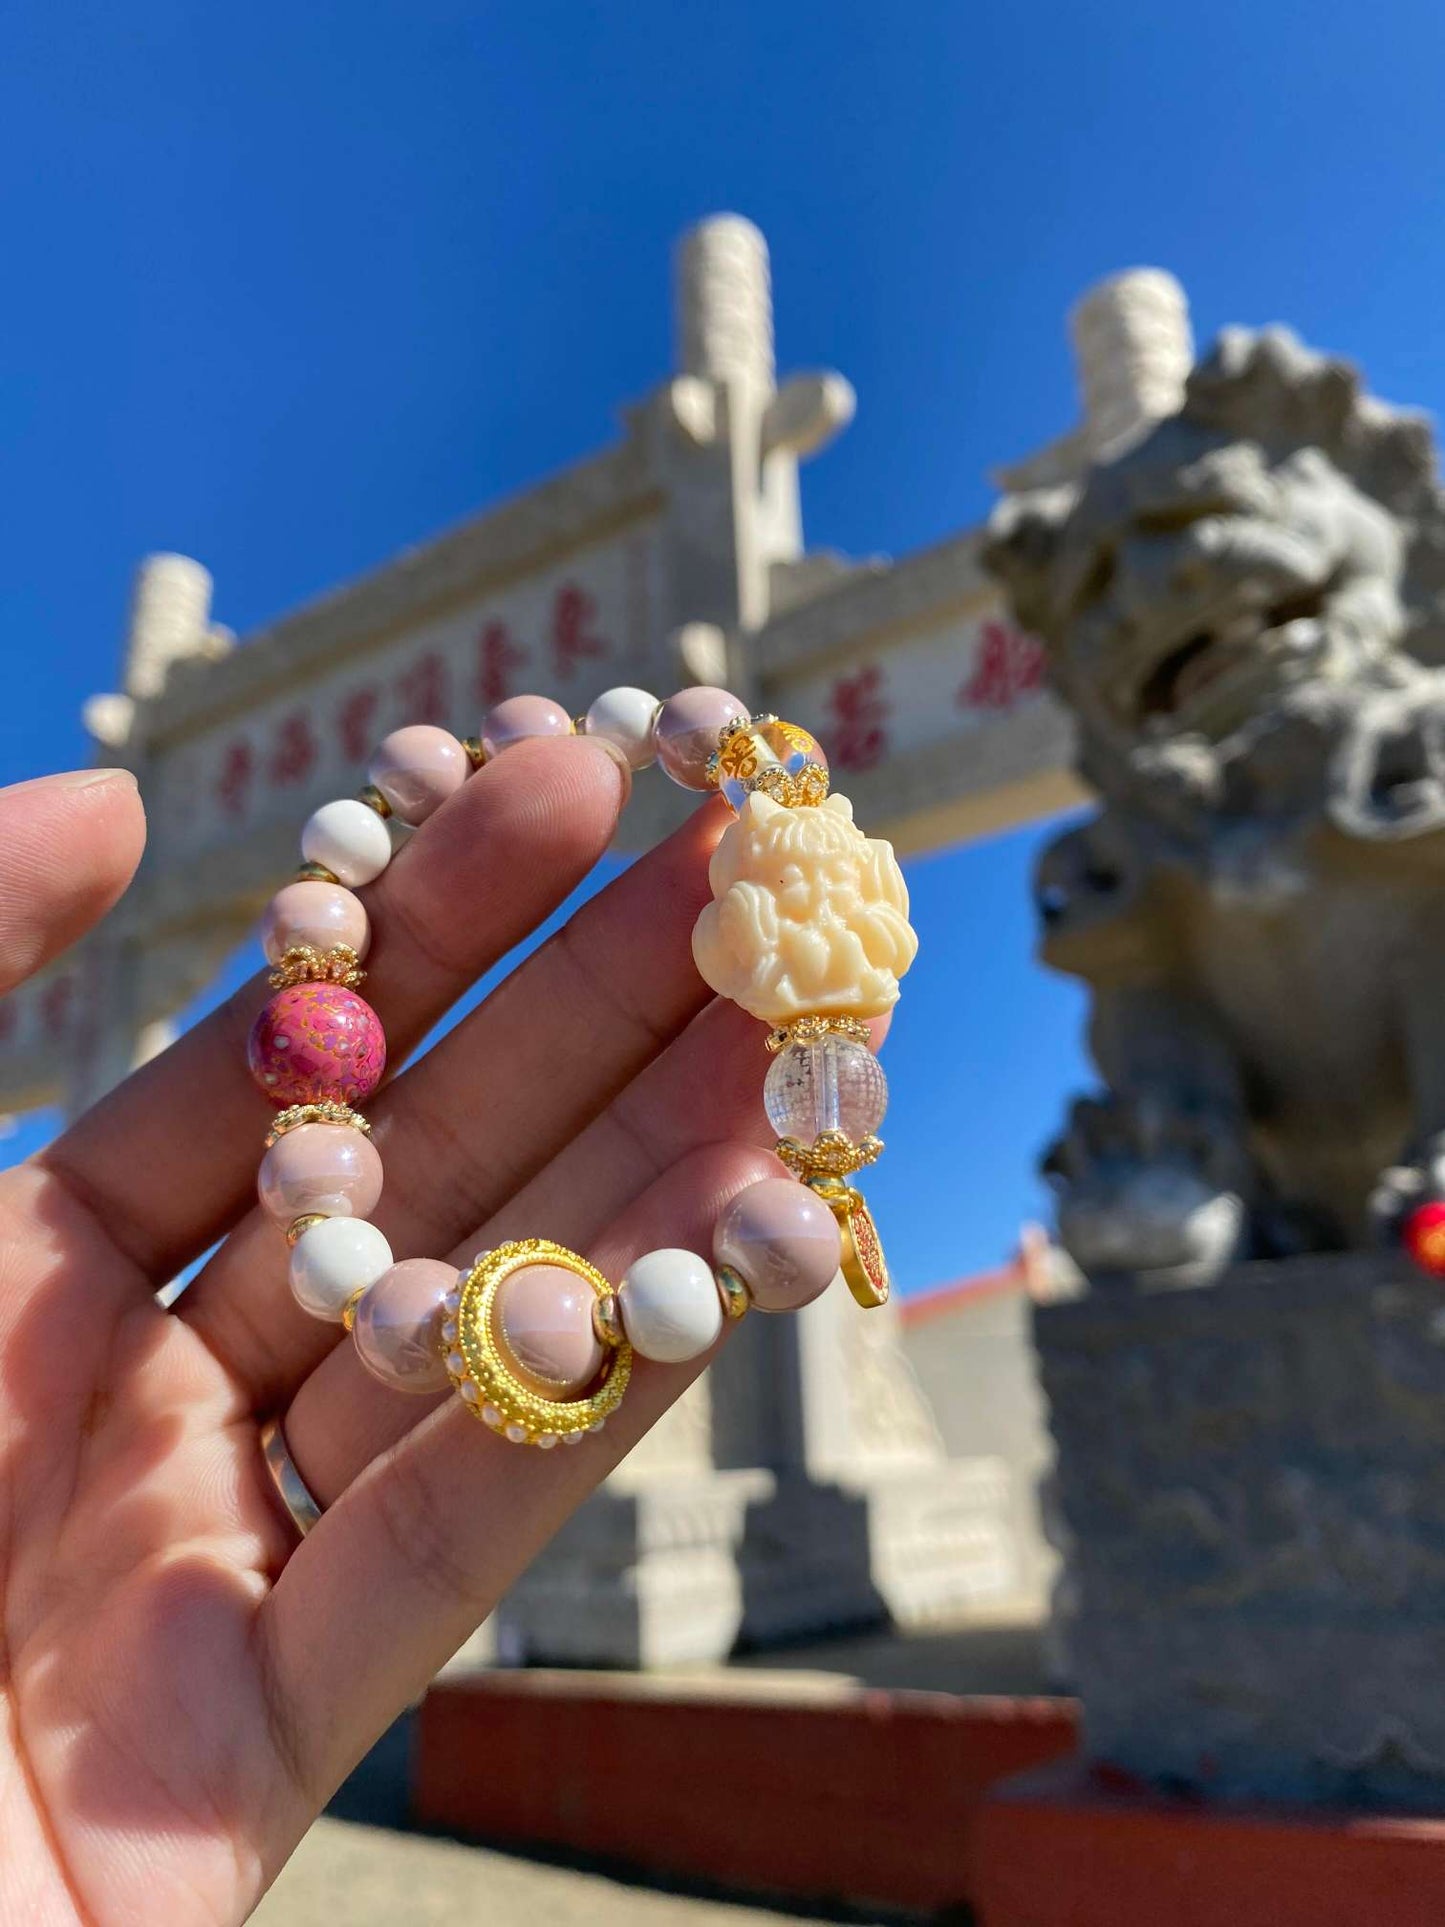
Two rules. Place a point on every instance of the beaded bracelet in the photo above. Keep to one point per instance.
(808, 930)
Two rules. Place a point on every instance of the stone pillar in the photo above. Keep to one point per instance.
(800, 1488)
(732, 442)
(867, 1519)
(1134, 349)
(110, 1038)
(725, 304)
(1249, 1480)
(170, 613)
(723, 522)
(803, 1485)
(169, 622)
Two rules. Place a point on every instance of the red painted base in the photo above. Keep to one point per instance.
(768, 1786)
(1064, 1847)
(911, 1800)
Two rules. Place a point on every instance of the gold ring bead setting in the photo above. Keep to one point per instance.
(534, 1340)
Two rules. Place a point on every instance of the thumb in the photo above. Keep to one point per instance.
(69, 845)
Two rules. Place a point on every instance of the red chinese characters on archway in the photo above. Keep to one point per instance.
(423, 692)
(356, 723)
(497, 657)
(574, 636)
(858, 711)
(235, 776)
(293, 751)
(1009, 664)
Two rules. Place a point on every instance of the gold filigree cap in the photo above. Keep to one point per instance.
(764, 753)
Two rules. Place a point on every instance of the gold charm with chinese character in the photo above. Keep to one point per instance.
(861, 1260)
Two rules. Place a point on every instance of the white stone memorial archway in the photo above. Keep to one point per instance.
(807, 1486)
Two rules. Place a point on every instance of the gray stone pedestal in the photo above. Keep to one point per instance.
(801, 1487)
(1251, 1485)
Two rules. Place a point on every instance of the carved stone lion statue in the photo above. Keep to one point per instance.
(1246, 613)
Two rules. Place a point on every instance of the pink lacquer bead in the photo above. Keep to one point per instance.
(330, 1169)
(320, 914)
(519, 717)
(542, 1317)
(315, 1043)
(417, 769)
(398, 1325)
(686, 731)
(782, 1240)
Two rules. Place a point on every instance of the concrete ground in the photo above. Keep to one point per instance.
(347, 1875)
(360, 1867)
(1004, 1654)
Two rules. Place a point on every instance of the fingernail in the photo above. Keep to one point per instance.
(84, 779)
(76, 779)
(618, 757)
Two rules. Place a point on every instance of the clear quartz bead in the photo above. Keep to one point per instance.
(835, 1084)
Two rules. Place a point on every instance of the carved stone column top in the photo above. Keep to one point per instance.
(1134, 350)
(170, 619)
(725, 302)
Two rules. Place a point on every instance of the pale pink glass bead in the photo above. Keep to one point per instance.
(331, 1169)
(543, 1318)
(519, 717)
(686, 731)
(320, 914)
(417, 769)
(782, 1240)
(398, 1325)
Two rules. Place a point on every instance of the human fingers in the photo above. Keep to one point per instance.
(415, 1554)
(472, 1122)
(168, 1159)
(341, 1417)
(70, 846)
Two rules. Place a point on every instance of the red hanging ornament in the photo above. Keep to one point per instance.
(1424, 1237)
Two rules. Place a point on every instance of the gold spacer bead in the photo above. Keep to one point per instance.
(814, 1027)
(807, 790)
(298, 1227)
(751, 757)
(733, 1290)
(832, 1190)
(327, 1112)
(374, 800)
(607, 1321)
(737, 724)
(315, 873)
(832, 1154)
(579, 725)
(348, 1310)
(476, 755)
(304, 964)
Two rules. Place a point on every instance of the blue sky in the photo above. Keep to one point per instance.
(289, 287)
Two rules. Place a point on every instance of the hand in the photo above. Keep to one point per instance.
(183, 1684)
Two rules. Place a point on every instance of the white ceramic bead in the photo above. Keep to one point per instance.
(624, 717)
(670, 1306)
(349, 839)
(335, 1259)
